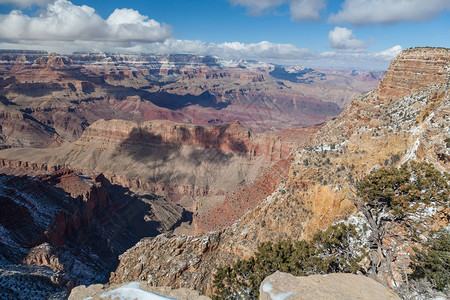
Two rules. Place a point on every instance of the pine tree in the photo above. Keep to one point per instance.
(398, 197)
(329, 251)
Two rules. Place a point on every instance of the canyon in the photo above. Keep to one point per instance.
(179, 164)
(371, 132)
(47, 99)
(63, 222)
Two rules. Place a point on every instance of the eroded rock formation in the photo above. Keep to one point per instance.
(66, 94)
(206, 169)
(70, 228)
(372, 132)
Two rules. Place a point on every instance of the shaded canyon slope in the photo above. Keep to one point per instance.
(46, 99)
(64, 229)
(380, 128)
(207, 169)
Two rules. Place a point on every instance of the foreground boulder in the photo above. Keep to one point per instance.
(331, 286)
(135, 290)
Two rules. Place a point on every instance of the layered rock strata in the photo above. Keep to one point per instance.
(69, 228)
(370, 133)
(66, 94)
(200, 167)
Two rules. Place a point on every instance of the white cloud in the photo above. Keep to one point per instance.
(306, 10)
(301, 10)
(64, 21)
(258, 7)
(27, 3)
(264, 51)
(390, 53)
(365, 12)
(361, 60)
(343, 38)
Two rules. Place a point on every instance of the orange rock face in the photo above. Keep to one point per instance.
(244, 199)
(231, 138)
(413, 70)
(372, 132)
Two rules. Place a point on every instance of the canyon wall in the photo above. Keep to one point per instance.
(201, 168)
(68, 229)
(58, 96)
(372, 132)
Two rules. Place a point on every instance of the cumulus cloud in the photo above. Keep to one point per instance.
(301, 10)
(264, 50)
(258, 7)
(277, 53)
(306, 10)
(343, 38)
(360, 60)
(366, 12)
(390, 53)
(64, 21)
(27, 3)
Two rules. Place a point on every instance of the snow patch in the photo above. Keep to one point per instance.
(133, 291)
(267, 287)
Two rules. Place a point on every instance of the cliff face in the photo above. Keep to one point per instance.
(373, 131)
(70, 228)
(19, 129)
(232, 138)
(66, 94)
(202, 168)
(413, 70)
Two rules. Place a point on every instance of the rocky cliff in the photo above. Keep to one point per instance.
(372, 131)
(64, 228)
(202, 168)
(414, 70)
(66, 94)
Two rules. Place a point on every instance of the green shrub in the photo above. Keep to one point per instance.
(433, 262)
(329, 251)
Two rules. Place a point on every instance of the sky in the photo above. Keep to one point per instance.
(357, 34)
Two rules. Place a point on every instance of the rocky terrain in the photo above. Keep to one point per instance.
(322, 287)
(276, 286)
(162, 133)
(201, 168)
(373, 131)
(137, 290)
(46, 99)
(64, 229)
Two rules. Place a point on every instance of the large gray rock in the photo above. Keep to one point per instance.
(283, 286)
(133, 290)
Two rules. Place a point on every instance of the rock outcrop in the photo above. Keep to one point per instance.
(414, 70)
(66, 94)
(322, 287)
(138, 290)
(69, 228)
(369, 134)
(200, 167)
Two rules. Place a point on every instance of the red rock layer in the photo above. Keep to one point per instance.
(246, 198)
(232, 137)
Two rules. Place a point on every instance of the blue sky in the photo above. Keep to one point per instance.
(346, 33)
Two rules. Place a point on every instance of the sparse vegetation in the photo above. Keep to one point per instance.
(433, 262)
(398, 198)
(330, 251)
